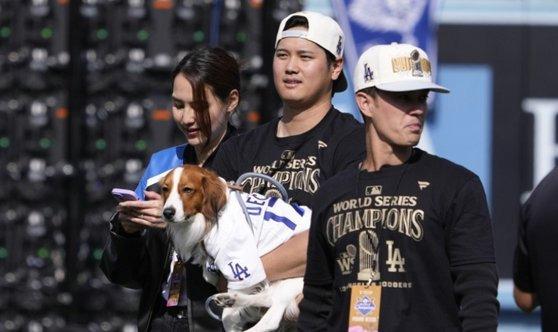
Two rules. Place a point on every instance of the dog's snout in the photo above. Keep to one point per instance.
(169, 213)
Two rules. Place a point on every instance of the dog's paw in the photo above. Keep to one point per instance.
(225, 300)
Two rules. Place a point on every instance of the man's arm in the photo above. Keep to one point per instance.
(525, 301)
(476, 288)
(524, 292)
(315, 307)
(316, 303)
(287, 260)
(472, 259)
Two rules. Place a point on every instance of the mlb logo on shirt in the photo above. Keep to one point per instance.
(373, 190)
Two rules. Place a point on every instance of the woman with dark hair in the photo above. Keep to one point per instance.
(206, 85)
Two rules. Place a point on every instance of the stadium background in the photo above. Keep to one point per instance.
(85, 98)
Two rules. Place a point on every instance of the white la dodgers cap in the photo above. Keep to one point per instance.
(322, 30)
(395, 67)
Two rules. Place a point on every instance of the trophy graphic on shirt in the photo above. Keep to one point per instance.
(369, 267)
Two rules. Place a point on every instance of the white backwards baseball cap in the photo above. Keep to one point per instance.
(322, 30)
(395, 67)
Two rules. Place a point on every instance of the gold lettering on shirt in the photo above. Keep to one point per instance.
(294, 174)
(396, 213)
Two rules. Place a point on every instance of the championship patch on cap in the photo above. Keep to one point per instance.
(416, 65)
(395, 67)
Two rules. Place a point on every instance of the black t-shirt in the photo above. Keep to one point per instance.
(423, 228)
(535, 269)
(300, 163)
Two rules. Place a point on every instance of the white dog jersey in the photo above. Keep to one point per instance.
(236, 244)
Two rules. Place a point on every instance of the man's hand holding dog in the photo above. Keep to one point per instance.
(135, 216)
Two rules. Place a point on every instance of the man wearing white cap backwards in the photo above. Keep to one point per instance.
(311, 141)
(401, 241)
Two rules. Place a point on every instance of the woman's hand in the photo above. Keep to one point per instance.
(135, 216)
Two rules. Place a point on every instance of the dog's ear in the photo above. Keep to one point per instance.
(214, 191)
(163, 189)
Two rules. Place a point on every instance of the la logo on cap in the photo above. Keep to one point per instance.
(368, 74)
(340, 45)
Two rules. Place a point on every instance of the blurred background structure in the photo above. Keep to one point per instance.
(85, 98)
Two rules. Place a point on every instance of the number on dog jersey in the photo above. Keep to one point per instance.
(264, 208)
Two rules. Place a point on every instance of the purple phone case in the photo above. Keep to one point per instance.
(124, 194)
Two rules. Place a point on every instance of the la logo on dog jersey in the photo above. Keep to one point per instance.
(238, 271)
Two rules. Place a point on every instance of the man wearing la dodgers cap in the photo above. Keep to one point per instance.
(311, 141)
(401, 241)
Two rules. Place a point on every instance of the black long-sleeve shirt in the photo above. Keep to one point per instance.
(428, 222)
(534, 268)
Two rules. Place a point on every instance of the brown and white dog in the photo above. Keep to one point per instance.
(208, 224)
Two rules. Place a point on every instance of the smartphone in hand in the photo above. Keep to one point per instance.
(122, 195)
